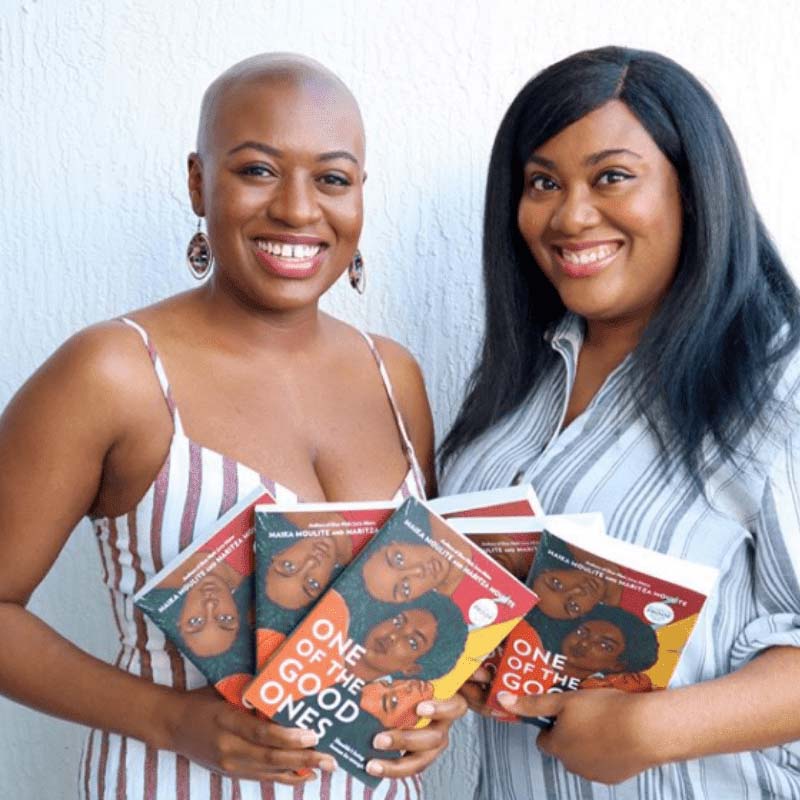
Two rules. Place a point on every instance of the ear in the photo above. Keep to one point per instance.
(195, 183)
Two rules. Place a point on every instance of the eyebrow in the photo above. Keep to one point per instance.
(269, 150)
(421, 635)
(590, 160)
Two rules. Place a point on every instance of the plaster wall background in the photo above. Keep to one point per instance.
(98, 105)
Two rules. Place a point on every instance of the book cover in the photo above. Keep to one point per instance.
(512, 542)
(299, 551)
(508, 501)
(610, 614)
(203, 599)
(410, 619)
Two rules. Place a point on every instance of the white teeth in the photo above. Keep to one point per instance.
(302, 252)
(587, 256)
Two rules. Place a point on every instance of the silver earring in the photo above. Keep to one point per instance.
(356, 274)
(199, 257)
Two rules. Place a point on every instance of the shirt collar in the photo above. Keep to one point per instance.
(567, 333)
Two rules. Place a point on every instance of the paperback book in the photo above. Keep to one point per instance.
(299, 551)
(408, 620)
(203, 599)
(610, 614)
(512, 542)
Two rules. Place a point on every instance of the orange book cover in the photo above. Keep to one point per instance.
(409, 619)
(203, 599)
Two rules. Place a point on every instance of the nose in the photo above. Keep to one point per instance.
(575, 212)
(294, 202)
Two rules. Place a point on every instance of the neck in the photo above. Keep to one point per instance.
(614, 338)
(244, 325)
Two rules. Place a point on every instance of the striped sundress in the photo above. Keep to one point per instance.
(193, 488)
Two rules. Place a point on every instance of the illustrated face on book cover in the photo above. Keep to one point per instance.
(569, 592)
(394, 703)
(401, 571)
(299, 573)
(209, 619)
(401, 639)
(208, 616)
(605, 641)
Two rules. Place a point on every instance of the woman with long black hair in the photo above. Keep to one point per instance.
(641, 359)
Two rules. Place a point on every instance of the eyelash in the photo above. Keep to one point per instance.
(264, 171)
(618, 175)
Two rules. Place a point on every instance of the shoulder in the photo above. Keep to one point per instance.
(100, 357)
(400, 363)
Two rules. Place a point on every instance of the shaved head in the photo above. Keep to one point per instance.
(277, 68)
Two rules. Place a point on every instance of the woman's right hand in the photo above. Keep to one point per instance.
(212, 732)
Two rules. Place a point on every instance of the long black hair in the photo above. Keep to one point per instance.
(705, 364)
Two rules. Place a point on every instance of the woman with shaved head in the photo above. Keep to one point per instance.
(179, 409)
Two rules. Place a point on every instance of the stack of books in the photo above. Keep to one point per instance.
(343, 617)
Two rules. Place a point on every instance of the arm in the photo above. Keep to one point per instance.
(750, 708)
(412, 399)
(59, 438)
(609, 736)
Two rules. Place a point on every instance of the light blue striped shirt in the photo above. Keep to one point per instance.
(747, 523)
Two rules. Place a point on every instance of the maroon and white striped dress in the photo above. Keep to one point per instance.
(193, 488)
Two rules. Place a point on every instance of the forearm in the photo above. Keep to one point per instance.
(753, 708)
(41, 669)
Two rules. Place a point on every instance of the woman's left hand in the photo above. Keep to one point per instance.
(599, 734)
(422, 746)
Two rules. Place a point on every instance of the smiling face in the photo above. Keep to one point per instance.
(279, 180)
(298, 574)
(594, 646)
(209, 619)
(568, 593)
(394, 703)
(601, 213)
(401, 571)
(395, 644)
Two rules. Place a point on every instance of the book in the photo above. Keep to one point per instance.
(610, 614)
(409, 619)
(512, 542)
(203, 599)
(299, 550)
(508, 501)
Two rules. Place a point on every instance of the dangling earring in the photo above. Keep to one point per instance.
(199, 257)
(356, 274)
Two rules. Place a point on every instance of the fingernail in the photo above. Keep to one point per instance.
(426, 709)
(328, 764)
(506, 698)
(375, 768)
(382, 741)
(309, 739)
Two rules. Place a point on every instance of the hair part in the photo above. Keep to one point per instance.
(729, 319)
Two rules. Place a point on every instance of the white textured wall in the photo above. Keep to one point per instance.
(97, 112)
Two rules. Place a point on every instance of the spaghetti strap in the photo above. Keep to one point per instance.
(408, 447)
(158, 366)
